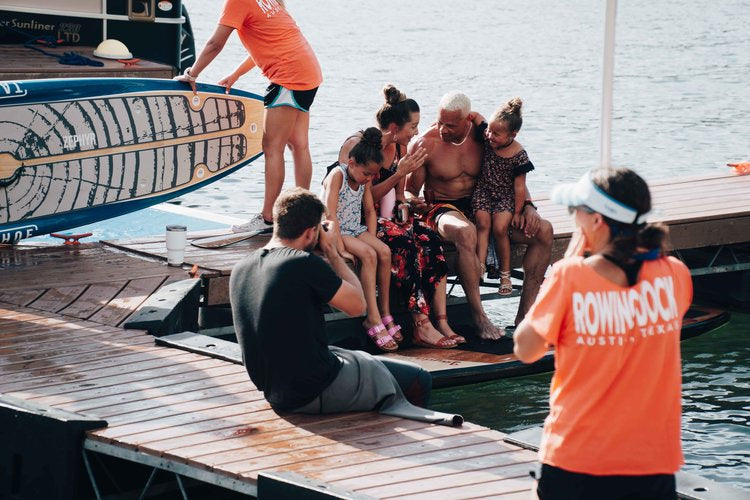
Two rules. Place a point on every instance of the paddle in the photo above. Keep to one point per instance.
(225, 240)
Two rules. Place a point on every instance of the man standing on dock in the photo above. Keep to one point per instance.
(454, 161)
(278, 293)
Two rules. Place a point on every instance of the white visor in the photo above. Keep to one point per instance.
(586, 193)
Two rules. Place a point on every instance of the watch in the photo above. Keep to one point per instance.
(187, 74)
(530, 203)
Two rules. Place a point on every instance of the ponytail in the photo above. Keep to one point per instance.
(369, 148)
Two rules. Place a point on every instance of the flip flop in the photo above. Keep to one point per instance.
(381, 342)
(394, 331)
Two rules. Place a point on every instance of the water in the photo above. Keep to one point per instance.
(681, 107)
(716, 403)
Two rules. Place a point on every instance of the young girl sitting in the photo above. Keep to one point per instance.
(347, 194)
(501, 190)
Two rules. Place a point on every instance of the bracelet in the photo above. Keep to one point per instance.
(528, 203)
(187, 74)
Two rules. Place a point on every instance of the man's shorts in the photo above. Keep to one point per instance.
(440, 207)
(276, 96)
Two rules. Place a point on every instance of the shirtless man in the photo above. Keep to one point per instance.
(450, 172)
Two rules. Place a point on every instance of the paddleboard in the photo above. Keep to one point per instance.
(76, 151)
(224, 240)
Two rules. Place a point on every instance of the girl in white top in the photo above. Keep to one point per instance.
(347, 194)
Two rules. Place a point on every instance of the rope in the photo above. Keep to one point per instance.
(69, 58)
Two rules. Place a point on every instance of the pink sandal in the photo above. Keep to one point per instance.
(381, 341)
(394, 331)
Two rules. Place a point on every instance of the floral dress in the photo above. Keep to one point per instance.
(417, 259)
(494, 191)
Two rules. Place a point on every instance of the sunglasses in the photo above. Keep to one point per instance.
(584, 208)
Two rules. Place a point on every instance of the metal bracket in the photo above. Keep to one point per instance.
(142, 10)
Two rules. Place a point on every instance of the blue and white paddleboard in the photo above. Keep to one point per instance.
(76, 151)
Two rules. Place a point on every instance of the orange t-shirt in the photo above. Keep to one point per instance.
(615, 396)
(274, 41)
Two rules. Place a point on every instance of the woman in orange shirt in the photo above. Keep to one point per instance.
(276, 45)
(613, 311)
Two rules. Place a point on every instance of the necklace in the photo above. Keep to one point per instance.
(468, 131)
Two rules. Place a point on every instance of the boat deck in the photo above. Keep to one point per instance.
(202, 418)
(21, 63)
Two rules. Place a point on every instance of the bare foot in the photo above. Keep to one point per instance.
(426, 334)
(486, 330)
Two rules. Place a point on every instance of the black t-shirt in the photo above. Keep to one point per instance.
(277, 298)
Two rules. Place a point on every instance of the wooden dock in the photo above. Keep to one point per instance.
(202, 418)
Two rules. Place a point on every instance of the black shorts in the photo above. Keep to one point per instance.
(557, 483)
(276, 96)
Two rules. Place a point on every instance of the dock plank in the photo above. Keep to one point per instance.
(508, 478)
(127, 300)
(21, 297)
(93, 299)
(91, 375)
(56, 299)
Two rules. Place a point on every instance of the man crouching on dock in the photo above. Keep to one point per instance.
(277, 295)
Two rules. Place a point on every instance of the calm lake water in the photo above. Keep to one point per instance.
(681, 107)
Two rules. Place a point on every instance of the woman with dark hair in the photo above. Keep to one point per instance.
(613, 310)
(419, 269)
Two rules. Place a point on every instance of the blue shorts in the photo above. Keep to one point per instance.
(276, 96)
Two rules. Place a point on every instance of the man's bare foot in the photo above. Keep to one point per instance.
(486, 330)
(426, 335)
(444, 328)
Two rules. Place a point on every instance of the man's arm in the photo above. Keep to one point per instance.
(531, 219)
(349, 298)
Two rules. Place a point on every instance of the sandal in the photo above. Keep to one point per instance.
(394, 331)
(381, 342)
(506, 286)
(458, 339)
(443, 343)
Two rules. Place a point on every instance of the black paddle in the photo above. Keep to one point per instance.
(224, 240)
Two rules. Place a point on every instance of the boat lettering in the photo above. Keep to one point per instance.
(17, 233)
(27, 25)
(79, 140)
(69, 32)
(11, 89)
